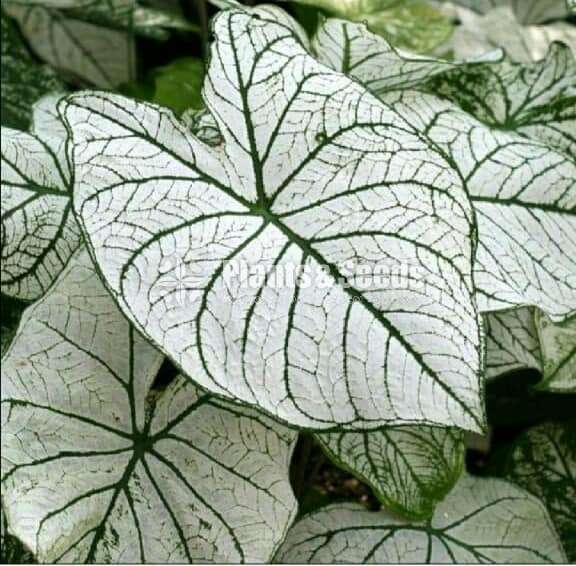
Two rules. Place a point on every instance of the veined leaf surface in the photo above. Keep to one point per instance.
(97, 466)
(409, 468)
(99, 54)
(480, 521)
(39, 232)
(543, 461)
(316, 176)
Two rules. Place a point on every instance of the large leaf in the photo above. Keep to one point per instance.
(537, 100)
(353, 49)
(500, 28)
(481, 520)
(99, 54)
(544, 462)
(23, 81)
(98, 466)
(523, 190)
(319, 187)
(39, 232)
(409, 468)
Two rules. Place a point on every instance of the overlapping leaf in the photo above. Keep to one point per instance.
(544, 462)
(100, 54)
(23, 81)
(537, 100)
(480, 521)
(523, 190)
(98, 466)
(511, 342)
(315, 177)
(355, 50)
(410, 469)
(39, 232)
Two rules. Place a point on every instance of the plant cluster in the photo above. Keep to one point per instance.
(323, 234)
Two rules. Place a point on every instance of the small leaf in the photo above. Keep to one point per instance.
(511, 342)
(315, 176)
(409, 468)
(558, 345)
(500, 28)
(97, 466)
(23, 80)
(543, 462)
(480, 521)
(39, 233)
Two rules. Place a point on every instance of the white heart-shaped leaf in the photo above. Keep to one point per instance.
(480, 521)
(97, 466)
(409, 468)
(319, 188)
(23, 81)
(39, 232)
(543, 461)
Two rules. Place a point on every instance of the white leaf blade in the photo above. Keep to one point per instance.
(39, 232)
(115, 472)
(481, 520)
(269, 161)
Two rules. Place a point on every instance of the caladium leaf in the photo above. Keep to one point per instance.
(523, 190)
(558, 347)
(543, 461)
(410, 469)
(23, 81)
(524, 194)
(511, 342)
(480, 521)
(299, 188)
(101, 55)
(527, 338)
(500, 28)
(98, 466)
(353, 49)
(39, 232)
(537, 100)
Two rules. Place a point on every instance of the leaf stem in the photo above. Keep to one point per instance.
(202, 12)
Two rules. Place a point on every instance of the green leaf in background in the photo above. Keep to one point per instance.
(23, 81)
(480, 521)
(179, 84)
(410, 24)
(543, 461)
(410, 468)
(99, 466)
